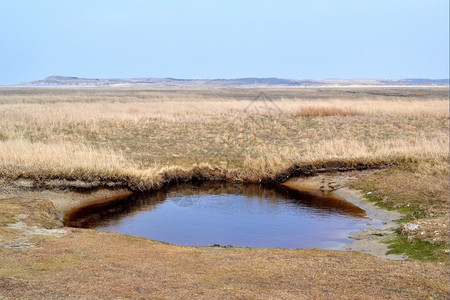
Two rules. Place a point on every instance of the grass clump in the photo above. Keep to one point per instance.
(418, 250)
(326, 112)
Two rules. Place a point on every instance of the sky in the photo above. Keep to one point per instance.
(316, 39)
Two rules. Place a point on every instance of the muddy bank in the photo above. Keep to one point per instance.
(369, 240)
(65, 201)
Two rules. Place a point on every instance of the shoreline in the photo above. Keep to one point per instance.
(368, 240)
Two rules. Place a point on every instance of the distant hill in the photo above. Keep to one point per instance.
(61, 81)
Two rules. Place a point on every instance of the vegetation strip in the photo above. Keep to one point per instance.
(178, 175)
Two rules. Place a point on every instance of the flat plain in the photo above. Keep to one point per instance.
(142, 139)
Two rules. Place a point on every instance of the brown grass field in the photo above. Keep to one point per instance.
(141, 139)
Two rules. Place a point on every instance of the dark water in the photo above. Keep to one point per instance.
(227, 214)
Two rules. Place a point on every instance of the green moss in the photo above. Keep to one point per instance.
(418, 250)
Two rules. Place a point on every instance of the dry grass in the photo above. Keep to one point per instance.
(326, 112)
(21, 157)
(142, 135)
(421, 186)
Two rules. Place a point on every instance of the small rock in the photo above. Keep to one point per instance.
(411, 227)
(334, 185)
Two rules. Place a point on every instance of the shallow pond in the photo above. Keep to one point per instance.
(229, 214)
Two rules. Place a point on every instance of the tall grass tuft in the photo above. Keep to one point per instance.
(325, 112)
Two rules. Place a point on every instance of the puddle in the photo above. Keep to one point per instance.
(229, 214)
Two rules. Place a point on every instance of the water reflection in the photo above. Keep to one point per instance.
(223, 213)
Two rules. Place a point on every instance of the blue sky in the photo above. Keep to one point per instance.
(224, 39)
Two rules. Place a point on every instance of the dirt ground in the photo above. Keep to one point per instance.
(88, 264)
(39, 258)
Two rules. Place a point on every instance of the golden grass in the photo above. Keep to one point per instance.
(69, 158)
(325, 112)
(146, 136)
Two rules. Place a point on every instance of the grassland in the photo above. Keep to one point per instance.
(141, 139)
(139, 135)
